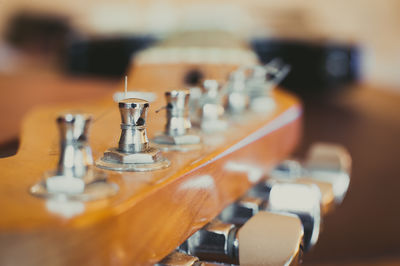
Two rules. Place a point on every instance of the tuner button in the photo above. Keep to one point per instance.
(300, 199)
(265, 239)
(303, 200)
(327, 165)
(270, 239)
(330, 163)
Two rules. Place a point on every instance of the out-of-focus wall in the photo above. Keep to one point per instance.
(374, 24)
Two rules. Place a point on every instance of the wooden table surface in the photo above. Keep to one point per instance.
(363, 230)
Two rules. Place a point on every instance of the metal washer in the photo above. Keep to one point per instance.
(133, 167)
(96, 190)
(178, 147)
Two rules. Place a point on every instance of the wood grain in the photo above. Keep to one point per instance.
(153, 212)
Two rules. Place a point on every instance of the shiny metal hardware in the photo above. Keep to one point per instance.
(330, 163)
(237, 96)
(133, 129)
(178, 258)
(75, 178)
(261, 82)
(134, 152)
(303, 200)
(194, 102)
(257, 84)
(178, 121)
(177, 135)
(328, 157)
(242, 210)
(215, 242)
(263, 78)
(211, 108)
(325, 162)
(222, 243)
(75, 152)
(299, 199)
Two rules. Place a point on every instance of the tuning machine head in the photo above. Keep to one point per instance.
(75, 178)
(237, 95)
(261, 81)
(302, 200)
(75, 155)
(211, 109)
(134, 152)
(259, 241)
(177, 134)
(327, 165)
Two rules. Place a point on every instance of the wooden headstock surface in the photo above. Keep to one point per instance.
(153, 212)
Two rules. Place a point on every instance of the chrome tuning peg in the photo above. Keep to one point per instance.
(261, 81)
(237, 96)
(177, 135)
(327, 165)
(302, 200)
(76, 155)
(211, 109)
(75, 178)
(258, 242)
(134, 152)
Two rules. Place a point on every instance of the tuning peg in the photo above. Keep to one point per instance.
(75, 153)
(242, 210)
(177, 135)
(237, 96)
(324, 170)
(133, 137)
(261, 81)
(327, 165)
(330, 163)
(211, 108)
(265, 239)
(74, 177)
(134, 152)
(301, 200)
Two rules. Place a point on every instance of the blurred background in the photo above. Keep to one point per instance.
(345, 58)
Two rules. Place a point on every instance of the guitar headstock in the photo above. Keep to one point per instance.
(127, 194)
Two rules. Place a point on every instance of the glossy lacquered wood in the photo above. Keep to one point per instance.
(153, 212)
